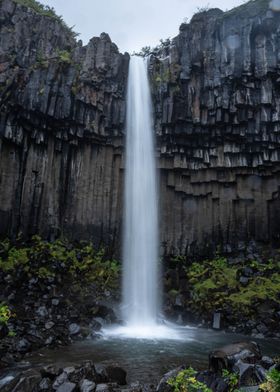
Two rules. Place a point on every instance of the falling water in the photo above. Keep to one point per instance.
(140, 277)
(141, 299)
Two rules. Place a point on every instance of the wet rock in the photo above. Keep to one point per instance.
(244, 280)
(97, 323)
(49, 324)
(23, 346)
(87, 386)
(266, 362)
(225, 357)
(102, 388)
(116, 374)
(42, 311)
(45, 384)
(74, 329)
(67, 387)
(61, 379)
(4, 330)
(262, 328)
(248, 373)
(217, 320)
(25, 382)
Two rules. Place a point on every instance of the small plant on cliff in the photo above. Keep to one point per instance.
(200, 10)
(185, 381)
(64, 57)
(5, 313)
(272, 383)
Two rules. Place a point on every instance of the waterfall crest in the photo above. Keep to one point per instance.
(140, 274)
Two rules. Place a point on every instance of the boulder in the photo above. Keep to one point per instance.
(24, 382)
(225, 357)
(67, 387)
(116, 374)
(87, 385)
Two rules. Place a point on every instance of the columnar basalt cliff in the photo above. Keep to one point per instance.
(216, 89)
(62, 108)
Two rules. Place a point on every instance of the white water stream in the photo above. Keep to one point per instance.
(140, 274)
(141, 291)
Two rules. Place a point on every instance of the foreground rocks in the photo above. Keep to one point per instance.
(52, 302)
(237, 365)
(82, 378)
(242, 359)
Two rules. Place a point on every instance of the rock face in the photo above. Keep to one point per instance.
(216, 89)
(216, 94)
(62, 110)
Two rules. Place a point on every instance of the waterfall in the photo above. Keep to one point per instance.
(140, 274)
(141, 298)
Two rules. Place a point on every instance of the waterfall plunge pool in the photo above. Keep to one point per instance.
(146, 360)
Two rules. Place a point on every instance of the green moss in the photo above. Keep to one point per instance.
(5, 313)
(44, 259)
(215, 285)
(259, 289)
(15, 258)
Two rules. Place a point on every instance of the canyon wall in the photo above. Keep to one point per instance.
(216, 91)
(62, 112)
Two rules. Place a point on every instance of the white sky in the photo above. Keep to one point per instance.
(131, 24)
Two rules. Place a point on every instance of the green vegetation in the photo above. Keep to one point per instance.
(215, 285)
(44, 259)
(185, 381)
(272, 383)
(64, 57)
(5, 313)
(231, 379)
(45, 10)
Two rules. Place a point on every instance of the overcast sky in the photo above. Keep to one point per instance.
(131, 24)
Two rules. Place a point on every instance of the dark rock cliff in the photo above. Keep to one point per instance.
(62, 110)
(216, 89)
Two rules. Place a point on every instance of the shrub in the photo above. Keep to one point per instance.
(231, 379)
(185, 381)
(64, 57)
(44, 259)
(5, 313)
(272, 383)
